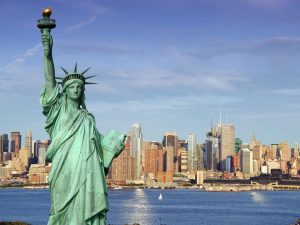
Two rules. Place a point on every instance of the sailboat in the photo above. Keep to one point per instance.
(160, 197)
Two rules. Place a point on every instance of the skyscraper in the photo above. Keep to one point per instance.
(121, 168)
(3, 145)
(39, 150)
(226, 139)
(227, 143)
(183, 160)
(212, 153)
(296, 150)
(15, 142)
(136, 149)
(152, 159)
(275, 151)
(246, 161)
(285, 151)
(257, 151)
(28, 143)
(200, 165)
(192, 152)
(170, 144)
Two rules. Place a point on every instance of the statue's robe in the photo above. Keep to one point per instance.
(77, 178)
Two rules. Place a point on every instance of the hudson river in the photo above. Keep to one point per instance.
(177, 207)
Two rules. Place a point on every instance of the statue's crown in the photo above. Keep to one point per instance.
(74, 75)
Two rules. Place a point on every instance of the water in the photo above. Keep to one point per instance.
(178, 207)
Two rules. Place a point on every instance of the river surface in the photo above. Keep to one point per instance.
(177, 207)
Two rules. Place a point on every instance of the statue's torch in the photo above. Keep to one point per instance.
(46, 24)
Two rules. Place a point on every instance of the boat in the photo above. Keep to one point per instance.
(118, 188)
(160, 197)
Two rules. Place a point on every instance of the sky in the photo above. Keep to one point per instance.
(170, 65)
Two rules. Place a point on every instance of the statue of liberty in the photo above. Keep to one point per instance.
(79, 154)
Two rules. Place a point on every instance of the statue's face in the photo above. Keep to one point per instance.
(74, 91)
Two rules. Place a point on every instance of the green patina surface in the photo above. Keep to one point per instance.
(79, 154)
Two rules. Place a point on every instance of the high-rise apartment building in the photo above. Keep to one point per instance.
(152, 158)
(122, 166)
(170, 144)
(3, 146)
(296, 150)
(170, 158)
(212, 153)
(257, 151)
(268, 153)
(15, 141)
(226, 135)
(246, 161)
(285, 151)
(183, 160)
(227, 143)
(192, 152)
(275, 151)
(24, 156)
(136, 149)
(28, 142)
(39, 150)
(200, 165)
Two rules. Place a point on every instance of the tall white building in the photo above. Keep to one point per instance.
(136, 147)
(192, 152)
(28, 142)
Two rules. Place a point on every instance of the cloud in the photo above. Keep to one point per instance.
(83, 47)
(28, 53)
(271, 115)
(96, 11)
(274, 46)
(9, 79)
(102, 87)
(82, 23)
(286, 91)
(163, 103)
(186, 78)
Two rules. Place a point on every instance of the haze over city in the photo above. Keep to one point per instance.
(169, 65)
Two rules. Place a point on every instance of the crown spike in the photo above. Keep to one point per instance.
(66, 72)
(60, 78)
(90, 83)
(75, 69)
(90, 77)
(85, 71)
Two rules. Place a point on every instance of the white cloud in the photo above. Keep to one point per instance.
(19, 59)
(186, 78)
(270, 115)
(96, 11)
(14, 70)
(82, 23)
(286, 91)
(163, 103)
(273, 46)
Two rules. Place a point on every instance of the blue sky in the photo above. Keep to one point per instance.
(168, 64)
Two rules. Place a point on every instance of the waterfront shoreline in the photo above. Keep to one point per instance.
(213, 188)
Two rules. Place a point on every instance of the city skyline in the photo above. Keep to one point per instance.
(169, 66)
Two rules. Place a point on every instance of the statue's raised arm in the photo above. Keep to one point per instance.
(46, 24)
